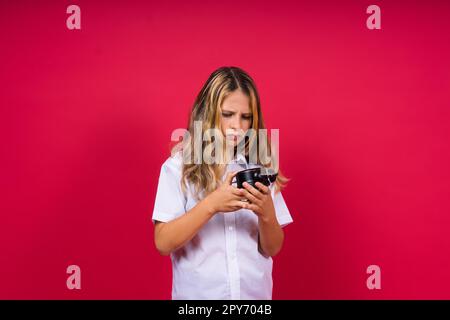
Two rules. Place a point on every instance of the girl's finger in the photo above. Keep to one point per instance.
(263, 188)
(251, 198)
(252, 207)
(229, 177)
(238, 192)
(252, 190)
(238, 204)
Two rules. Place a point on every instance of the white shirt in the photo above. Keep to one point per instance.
(222, 261)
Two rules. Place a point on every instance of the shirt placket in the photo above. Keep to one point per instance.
(231, 242)
(231, 247)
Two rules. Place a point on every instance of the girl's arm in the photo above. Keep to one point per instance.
(271, 235)
(169, 236)
(172, 235)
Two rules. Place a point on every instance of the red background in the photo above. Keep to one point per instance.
(86, 118)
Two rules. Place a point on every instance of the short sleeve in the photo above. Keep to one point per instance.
(170, 202)
(281, 210)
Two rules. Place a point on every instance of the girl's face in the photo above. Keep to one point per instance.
(235, 115)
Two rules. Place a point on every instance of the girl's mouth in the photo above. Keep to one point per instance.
(233, 137)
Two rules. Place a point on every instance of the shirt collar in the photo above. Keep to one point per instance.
(240, 158)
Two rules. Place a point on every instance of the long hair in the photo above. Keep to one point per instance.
(206, 177)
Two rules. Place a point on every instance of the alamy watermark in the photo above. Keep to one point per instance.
(74, 280)
(211, 146)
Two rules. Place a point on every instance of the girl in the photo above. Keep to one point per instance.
(220, 238)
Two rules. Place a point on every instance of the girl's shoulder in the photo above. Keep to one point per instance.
(173, 164)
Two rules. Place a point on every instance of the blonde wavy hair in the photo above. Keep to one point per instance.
(207, 177)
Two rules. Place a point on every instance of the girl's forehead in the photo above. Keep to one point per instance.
(236, 105)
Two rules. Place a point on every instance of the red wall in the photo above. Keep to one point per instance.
(86, 117)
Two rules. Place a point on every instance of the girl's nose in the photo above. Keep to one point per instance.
(236, 124)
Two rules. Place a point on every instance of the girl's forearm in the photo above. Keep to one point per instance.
(172, 235)
(271, 236)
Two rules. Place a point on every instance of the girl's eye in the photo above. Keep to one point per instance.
(246, 117)
(226, 115)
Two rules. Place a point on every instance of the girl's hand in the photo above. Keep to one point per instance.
(226, 198)
(260, 200)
